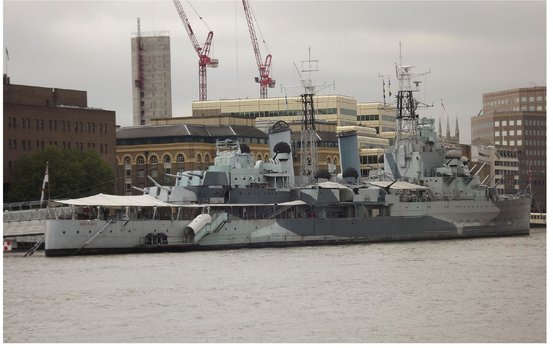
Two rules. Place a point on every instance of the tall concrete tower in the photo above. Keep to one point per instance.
(151, 76)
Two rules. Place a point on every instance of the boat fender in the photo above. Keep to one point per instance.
(198, 223)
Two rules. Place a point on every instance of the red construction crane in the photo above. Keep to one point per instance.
(203, 53)
(264, 78)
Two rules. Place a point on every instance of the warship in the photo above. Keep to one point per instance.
(425, 191)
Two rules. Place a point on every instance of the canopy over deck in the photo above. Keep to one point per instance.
(105, 200)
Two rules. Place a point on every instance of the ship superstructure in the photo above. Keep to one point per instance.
(425, 192)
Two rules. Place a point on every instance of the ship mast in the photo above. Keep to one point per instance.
(407, 117)
(308, 154)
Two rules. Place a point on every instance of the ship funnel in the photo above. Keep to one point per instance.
(280, 138)
(349, 150)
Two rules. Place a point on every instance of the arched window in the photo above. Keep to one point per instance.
(206, 158)
(259, 157)
(167, 159)
(266, 158)
(199, 158)
(127, 160)
(180, 158)
(328, 159)
(140, 160)
(153, 159)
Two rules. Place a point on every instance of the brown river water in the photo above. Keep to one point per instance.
(475, 290)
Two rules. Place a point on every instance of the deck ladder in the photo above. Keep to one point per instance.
(35, 247)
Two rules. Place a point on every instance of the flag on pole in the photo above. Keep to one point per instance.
(44, 184)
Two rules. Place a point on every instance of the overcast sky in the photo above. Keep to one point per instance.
(470, 48)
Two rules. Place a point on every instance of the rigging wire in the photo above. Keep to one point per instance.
(259, 30)
(236, 48)
(204, 22)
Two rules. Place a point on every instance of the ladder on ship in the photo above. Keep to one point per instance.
(93, 237)
(35, 247)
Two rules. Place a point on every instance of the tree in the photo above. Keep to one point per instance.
(71, 174)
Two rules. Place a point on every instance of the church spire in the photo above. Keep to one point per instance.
(440, 128)
(457, 128)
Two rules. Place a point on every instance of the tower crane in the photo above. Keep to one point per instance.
(203, 53)
(264, 78)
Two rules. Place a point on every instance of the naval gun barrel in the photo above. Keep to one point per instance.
(158, 185)
(140, 189)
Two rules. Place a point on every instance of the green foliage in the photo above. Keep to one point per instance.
(71, 174)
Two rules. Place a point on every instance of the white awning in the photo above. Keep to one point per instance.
(117, 201)
(398, 185)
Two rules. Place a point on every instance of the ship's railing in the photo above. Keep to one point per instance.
(37, 214)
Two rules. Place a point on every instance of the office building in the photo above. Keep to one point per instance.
(37, 117)
(516, 118)
(336, 109)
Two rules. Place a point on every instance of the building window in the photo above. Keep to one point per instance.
(206, 158)
(128, 160)
(154, 173)
(511, 122)
(166, 159)
(180, 158)
(141, 172)
(496, 123)
(153, 159)
(140, 160)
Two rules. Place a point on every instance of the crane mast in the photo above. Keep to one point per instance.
(203, 53)
(264, 78)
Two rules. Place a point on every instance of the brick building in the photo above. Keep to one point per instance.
(516, 118)
(36, 117)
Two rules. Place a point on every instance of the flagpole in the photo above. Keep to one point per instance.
(44, 182)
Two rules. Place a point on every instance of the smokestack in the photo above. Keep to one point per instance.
(349, 150)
